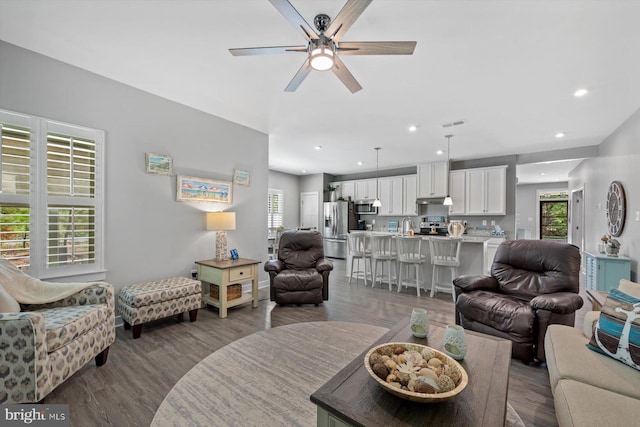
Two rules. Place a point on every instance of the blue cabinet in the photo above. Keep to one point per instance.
(603, 273)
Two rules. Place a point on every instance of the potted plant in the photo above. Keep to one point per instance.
(332, 192)
(613, 247)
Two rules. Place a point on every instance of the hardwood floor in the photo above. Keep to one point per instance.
(128, 389)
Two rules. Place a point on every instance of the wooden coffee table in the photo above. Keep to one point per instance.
(353, 398)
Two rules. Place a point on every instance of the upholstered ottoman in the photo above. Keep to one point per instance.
(143, 302)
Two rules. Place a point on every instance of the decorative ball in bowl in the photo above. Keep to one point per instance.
(415, 372)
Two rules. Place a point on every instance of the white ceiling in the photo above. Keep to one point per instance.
(508, 68)
(551, 171)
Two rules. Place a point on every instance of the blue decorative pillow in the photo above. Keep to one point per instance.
(617, 332)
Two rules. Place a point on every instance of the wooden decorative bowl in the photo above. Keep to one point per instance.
(412, 395)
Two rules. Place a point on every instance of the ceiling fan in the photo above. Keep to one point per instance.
(324, 46)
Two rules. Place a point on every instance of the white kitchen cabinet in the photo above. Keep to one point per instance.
(457, 187)
(486, 191)
(365, 189)
(433, 179)
(410, 191)
(348, 190)
(391, 196)
(490, 249)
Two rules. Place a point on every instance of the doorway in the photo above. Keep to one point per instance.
(309, 210)
(552, 215)
(576, 218)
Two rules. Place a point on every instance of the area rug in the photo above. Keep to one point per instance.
(265, 379)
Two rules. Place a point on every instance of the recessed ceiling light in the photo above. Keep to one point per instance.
(413, 128)
(541, 173)
(560, 135)
(439, 152)
(304, 171)
(318, 147)
(360, 163)
(580, 92)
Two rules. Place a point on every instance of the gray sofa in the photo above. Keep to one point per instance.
(589, 388)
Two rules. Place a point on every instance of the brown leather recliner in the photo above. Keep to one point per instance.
(533, 284)
(300, 275)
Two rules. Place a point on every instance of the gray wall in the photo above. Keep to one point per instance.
(527, 204)
(618, 160)
(290, 185)
(148, 234)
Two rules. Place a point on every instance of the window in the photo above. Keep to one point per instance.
(554, 215)
(51, 203)
(275, 209)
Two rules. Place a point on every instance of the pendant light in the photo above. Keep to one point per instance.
(448, 201)
(376, 202)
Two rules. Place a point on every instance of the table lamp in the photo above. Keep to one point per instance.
(220, 222)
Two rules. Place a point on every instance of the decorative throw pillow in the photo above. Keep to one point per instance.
(617, 333)
(629, 288)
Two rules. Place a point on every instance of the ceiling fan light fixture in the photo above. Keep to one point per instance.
(321, 58)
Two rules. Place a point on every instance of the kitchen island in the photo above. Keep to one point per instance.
(476, 254)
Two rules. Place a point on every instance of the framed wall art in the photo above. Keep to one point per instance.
(192, 189)
(158, 164)
(241, 177)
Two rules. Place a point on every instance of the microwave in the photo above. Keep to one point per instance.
(365, 207)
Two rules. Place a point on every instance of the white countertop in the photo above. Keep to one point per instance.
(465, 238)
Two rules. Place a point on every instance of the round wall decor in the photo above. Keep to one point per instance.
(616, 208)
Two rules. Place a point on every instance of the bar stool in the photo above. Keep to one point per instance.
(410, 253)
(383, 249)
(357, 244)
(445, 252)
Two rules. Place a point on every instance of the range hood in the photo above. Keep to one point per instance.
(430, 201)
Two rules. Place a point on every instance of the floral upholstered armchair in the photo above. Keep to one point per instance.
(42, 345)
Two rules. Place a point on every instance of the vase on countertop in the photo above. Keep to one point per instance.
(456, 228)
(332, 196)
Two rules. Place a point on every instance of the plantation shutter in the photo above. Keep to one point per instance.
(71, 198)
(275, 206)
(15, 186)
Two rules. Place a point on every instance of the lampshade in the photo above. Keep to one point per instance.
(377, 203)
(221, 221)
(321, 58)
(448, 201)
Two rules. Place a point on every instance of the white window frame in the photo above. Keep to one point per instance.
(38, 200)
(270, 214)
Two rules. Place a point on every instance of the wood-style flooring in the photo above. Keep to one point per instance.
(128, 389)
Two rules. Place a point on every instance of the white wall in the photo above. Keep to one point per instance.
(148, 234)
(618, 160)
(290, 185)
(527, 204)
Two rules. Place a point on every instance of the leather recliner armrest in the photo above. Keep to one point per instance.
(474, 283)
(273, 266)
(560, 302)
(323, 265)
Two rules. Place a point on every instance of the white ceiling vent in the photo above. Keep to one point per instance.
(452, 124)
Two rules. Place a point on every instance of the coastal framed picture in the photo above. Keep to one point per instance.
(202, 190)
(241, 177)
(158, 164)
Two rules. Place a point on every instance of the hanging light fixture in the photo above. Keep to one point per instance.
(448, 201)
(376, 202)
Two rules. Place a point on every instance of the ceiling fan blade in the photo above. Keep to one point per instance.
(246, 51)
(345, 18)
(302, 73)
(291, 14)
(345, 76)
(376, 48)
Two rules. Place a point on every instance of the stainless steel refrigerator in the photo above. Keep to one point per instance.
(339, 218)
